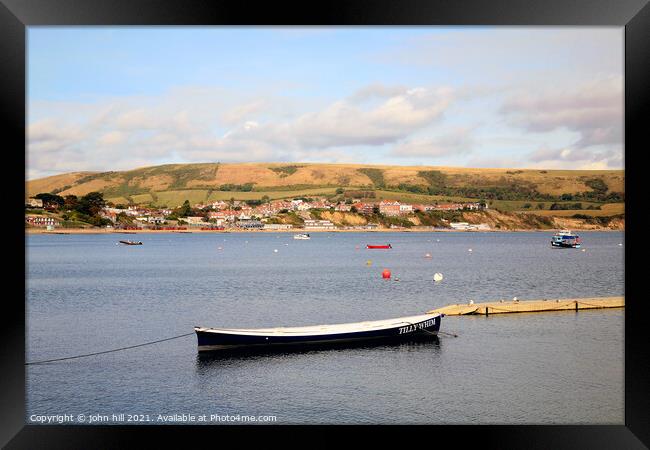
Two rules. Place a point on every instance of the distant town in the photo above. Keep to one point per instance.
(51, 211)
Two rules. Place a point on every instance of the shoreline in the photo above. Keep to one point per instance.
(295, 231)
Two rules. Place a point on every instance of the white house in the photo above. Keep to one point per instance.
(156, 219)
(278, 226)
(389, 208)
(194, 220)
(34, 202)
(311, 224)
(41, 221)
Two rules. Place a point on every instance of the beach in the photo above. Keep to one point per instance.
(293, 230)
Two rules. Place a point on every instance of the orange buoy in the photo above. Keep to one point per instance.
(385, 273)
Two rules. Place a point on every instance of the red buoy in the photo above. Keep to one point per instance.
(385, 273)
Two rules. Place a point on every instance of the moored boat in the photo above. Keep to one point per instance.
(565, 239)
(389, 330)
(131, 242)
(379, 246)
(302, 236)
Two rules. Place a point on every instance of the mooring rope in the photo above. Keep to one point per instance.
(448, 334)
(31, 363)
(558, 307)
(580, 302)
(107, 351)
(434, 334)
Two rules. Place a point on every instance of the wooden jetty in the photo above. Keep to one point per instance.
(520, 306)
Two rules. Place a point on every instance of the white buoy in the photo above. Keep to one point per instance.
(220, 248)
(437, 276)
(428, 255)
(275, 250)
(620, 245)
(437, 240)
(514, 299)
(584, 249)
(469, 250)
(471, 302)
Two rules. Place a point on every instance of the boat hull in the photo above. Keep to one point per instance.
(564, 245)
(130, 243)
(215, 340)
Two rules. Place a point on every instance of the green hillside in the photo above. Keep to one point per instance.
(509, 189)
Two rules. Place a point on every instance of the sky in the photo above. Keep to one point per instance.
(117, 98)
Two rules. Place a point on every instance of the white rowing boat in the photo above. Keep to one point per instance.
(264, 338)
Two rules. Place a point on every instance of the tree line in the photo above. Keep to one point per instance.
(84, 209)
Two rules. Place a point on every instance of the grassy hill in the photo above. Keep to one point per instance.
(171, 184)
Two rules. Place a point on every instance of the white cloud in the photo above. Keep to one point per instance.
(577, 158)
(137, 119)
(112, 138)
(348, 123)
(453, 142)
(376, 90)
(243, 112)
(593, 110)
(53, 135)
(119, 131)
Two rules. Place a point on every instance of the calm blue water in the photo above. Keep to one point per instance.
(86, 294)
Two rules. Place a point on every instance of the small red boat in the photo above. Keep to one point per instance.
(379, 246)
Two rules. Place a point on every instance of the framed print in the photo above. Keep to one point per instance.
(351, 213)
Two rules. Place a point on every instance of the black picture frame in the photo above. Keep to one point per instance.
(634, 15)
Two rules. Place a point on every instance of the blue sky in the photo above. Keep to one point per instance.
(114, 98)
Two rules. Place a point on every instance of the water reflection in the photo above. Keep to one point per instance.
(416, 343)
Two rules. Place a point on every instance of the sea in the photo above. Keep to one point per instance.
(86, 293)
